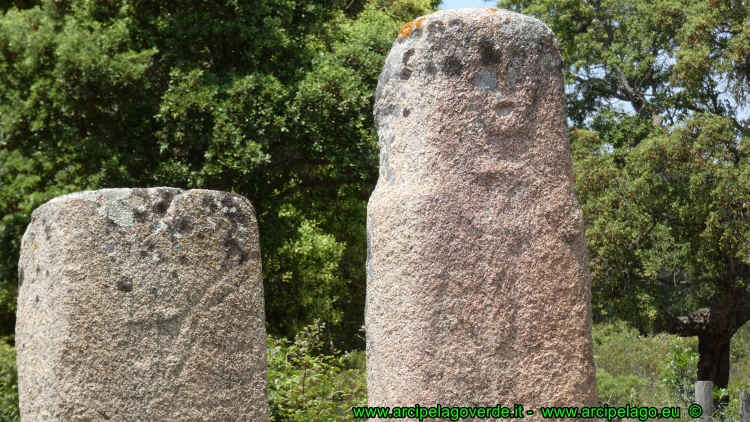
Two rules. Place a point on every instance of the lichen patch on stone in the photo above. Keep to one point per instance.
(113, 209)
(410, 27)
(88, 196)
(405, 30)
(486, 81)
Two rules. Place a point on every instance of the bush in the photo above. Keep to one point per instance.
(8, 382)
(680, 373)
(633, 362)
(620, 390)
(304, 384)
(641, 370)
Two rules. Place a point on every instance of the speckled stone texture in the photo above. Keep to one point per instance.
(478, 288)
(142, 305)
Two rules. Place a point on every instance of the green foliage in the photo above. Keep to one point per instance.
(306, 385)
(740, 377)
(660, 370)
(667, 59)
(618, 391)
(629, 366)
(271, 99)
(680, 373)
(728, 410)
(406, 10)
(8, 382)
(665, 217)
(739, 354)
(311, 262)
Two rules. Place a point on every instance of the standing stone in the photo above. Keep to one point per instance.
(142, 305)
(478, 288)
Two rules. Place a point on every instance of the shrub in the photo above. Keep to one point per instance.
(632, 368)
(620, 390)
(304, 384)
(680, 373)
(8, 382)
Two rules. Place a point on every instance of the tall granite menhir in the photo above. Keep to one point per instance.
(142, 305)
(478, 288)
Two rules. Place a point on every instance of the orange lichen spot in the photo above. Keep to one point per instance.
(492, 10)
(405, 30)
(410, 27)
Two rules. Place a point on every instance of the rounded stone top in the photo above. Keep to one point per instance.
(122, 205)
(483, 84)
(477, 46)
(464, 21)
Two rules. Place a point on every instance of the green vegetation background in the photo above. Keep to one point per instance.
(272, 99)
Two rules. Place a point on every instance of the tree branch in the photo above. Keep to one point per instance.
(597, 85)
(686, 326)
(670, 281)
(638, 100)
(637, 242)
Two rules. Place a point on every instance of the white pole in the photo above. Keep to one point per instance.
(744, 406)
(704, 396)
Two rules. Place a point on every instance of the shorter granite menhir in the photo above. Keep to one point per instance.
(142, 305)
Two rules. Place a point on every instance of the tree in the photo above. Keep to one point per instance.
(661, 148)
(271, 99)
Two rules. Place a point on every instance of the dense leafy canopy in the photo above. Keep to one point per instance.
(665, 59)
(656, 93)
(271, 99)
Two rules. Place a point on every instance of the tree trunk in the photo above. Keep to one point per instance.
(714, 326)
(713, 364)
